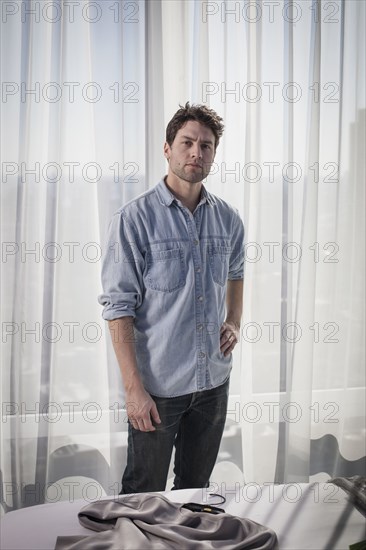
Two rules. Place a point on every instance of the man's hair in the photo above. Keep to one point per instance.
(202, 114)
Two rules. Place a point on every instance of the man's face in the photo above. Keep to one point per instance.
(192, 152)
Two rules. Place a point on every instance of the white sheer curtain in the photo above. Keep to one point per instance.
(87, 92)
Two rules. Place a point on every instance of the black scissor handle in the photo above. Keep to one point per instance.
(194, 507)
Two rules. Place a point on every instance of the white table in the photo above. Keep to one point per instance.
(304, 516)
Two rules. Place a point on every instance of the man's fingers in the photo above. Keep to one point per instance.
(147, 424)
(228, 336)
(143, 423)
(227, 351)
(134, 423)
(228, 342)
(142, 417)
(154, 414)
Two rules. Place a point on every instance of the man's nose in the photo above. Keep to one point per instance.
(196, 150)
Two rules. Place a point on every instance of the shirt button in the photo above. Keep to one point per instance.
(200, 298)
(202, 354)
(198, 270)
(195, 242)
(200, 326)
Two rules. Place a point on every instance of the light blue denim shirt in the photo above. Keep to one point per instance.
(168, 268)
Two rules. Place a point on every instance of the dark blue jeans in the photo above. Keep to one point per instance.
(194, 424)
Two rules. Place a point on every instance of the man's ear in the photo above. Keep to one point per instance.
(167, 150)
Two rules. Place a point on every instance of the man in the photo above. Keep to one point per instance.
(179, 266)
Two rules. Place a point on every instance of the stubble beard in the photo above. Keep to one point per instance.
(190, 177)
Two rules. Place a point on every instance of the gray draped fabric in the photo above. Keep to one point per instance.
(145, 521)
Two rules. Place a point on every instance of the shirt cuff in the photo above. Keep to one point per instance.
(117, 305)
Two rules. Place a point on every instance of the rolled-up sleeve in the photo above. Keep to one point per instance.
(122, 269)
(236, 265)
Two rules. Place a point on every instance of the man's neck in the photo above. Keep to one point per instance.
(189, 194)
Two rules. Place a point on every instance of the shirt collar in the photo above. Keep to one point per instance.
(166, 197)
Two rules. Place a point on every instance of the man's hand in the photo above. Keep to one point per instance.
(230, 330)
(229, 337)
(141, 409)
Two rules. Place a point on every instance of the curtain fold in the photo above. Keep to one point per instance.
(300, 372)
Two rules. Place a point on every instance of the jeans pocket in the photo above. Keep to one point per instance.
(165, 270)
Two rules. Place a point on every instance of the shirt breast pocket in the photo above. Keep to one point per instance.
(165, 270)
(219, 256)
